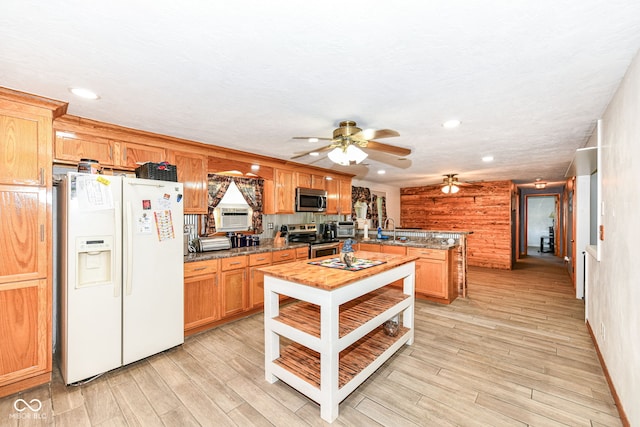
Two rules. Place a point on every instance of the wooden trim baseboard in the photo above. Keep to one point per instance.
(616, 399)
(23, 385)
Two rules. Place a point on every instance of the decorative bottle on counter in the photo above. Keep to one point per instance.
(379, 233)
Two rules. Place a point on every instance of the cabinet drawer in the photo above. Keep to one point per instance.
(260, 259)
(233, 263)
(200, 267)
(427, 253)
(302, 253)
(286, 255)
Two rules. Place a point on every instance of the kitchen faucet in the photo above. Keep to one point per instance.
(386, 222)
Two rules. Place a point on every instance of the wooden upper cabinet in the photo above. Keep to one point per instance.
(133, 155)
(24, 229)
(192, 172)
(72, 146)
(344, 205)
(24, 156)
(284, 191)
(310, 180)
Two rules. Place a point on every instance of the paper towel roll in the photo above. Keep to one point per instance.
(366, 231)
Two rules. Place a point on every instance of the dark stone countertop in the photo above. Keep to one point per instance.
(265, 246)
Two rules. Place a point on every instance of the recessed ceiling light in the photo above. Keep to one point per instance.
(83, 93)
(487, 159)
(328, 178)
(314, 153)
(450, 124)
(382, 172)
(313, 139)
(255, 167)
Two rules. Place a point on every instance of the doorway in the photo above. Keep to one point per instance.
(541, 212)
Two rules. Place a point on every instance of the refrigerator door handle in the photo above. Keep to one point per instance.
(128, 235)
(117, 220)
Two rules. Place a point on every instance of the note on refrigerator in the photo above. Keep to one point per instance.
(164, 225)
(93, 193)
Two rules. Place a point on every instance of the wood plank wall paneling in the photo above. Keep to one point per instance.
(484, 208)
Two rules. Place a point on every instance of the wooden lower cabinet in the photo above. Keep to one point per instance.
(398, 250)
(25, 333)
(369, 247)
(435, 277)
(256, 278)
(234, 285)
(201, 294)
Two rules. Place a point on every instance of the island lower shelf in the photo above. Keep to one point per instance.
(305, 363)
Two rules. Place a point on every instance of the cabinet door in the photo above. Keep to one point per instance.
(303, 179)
(284, 192)
(369, 247)
(24, 230)
(133, 155)
(84, 147)
(192, 172)
(333, 196)
(256, 287)
(24, 330)
(234, 295)
(344, 205)
(317, 182)
(25, 155)
(431, 277)
(201, 300)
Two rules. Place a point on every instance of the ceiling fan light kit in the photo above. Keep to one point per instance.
(349, 140)
(450, 189)
(344, 156)
(450, 184)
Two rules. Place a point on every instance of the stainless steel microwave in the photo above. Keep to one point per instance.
(310, 200)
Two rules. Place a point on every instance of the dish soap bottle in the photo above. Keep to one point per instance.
(379, 233)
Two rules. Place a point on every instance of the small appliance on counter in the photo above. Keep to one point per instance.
(239, 240)
(345, 229)
(217, 243)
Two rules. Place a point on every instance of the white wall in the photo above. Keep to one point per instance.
(392, 194)
(613, 293)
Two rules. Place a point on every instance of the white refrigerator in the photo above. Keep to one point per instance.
(121, 271)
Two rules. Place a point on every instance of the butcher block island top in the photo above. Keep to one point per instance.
(304, 273)
(334, 334)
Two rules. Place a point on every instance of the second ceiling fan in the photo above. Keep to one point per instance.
(348, 140)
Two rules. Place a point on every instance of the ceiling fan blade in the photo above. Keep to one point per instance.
(318, 150)
(392, 149)
(312, 137)
(375, 134)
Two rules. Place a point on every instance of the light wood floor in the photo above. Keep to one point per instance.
(516, 352)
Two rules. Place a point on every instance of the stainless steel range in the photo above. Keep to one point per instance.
(308, 233)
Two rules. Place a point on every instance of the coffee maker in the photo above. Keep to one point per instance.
(328, 231)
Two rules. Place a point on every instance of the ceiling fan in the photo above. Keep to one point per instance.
(348, 140)
(451, 185)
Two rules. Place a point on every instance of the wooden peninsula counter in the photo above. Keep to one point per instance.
(333, 338)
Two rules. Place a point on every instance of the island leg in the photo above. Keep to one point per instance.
(407, 315)
(329, 359)
(271, 339)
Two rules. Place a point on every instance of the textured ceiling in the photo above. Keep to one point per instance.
(528, 79)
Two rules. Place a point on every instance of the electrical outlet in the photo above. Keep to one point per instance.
(270, 226)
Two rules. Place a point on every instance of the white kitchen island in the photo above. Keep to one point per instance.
(333, 332)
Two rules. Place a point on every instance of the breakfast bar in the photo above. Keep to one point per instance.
(334, 335)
